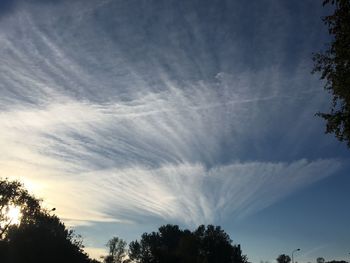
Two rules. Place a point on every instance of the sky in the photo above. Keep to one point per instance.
(127, 115)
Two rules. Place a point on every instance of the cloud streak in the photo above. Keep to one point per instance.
(123, 163)
(141, 119)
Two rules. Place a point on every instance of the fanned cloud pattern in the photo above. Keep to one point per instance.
(167, 116)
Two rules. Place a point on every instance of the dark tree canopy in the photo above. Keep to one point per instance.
(116, 251)
(12, 193)
(40, 236)
(334, 67)
(172, 245)
(283, 259)
(337, 261)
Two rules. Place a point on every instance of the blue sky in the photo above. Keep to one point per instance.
(125, 115)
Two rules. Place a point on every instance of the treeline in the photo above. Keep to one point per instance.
(42, 237)
(170, 244)
(283, 258)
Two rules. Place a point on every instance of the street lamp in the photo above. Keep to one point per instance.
(295, 250)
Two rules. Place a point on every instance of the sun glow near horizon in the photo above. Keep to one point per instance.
(14, 215)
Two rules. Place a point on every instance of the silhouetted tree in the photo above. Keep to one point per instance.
(40, 237)
(320, 260)
(172, 245)
(46, 239)
(334, 67)
(283, 259)
(337, 261)
(117, 251)
(12, 193)
(215, 246)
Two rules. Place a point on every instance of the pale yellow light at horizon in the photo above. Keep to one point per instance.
(14, 215)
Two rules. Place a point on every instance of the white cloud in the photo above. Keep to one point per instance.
(187, 193)
(106, 134)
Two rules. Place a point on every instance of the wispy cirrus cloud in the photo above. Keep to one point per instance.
(111, 118)
(121, 163)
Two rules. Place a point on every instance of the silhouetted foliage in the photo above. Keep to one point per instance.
(320, 260)
(40, 236)
(172, 245)
(337, 261)
(116, 251)
(283, 259)
(12, 193)
(334, 67)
